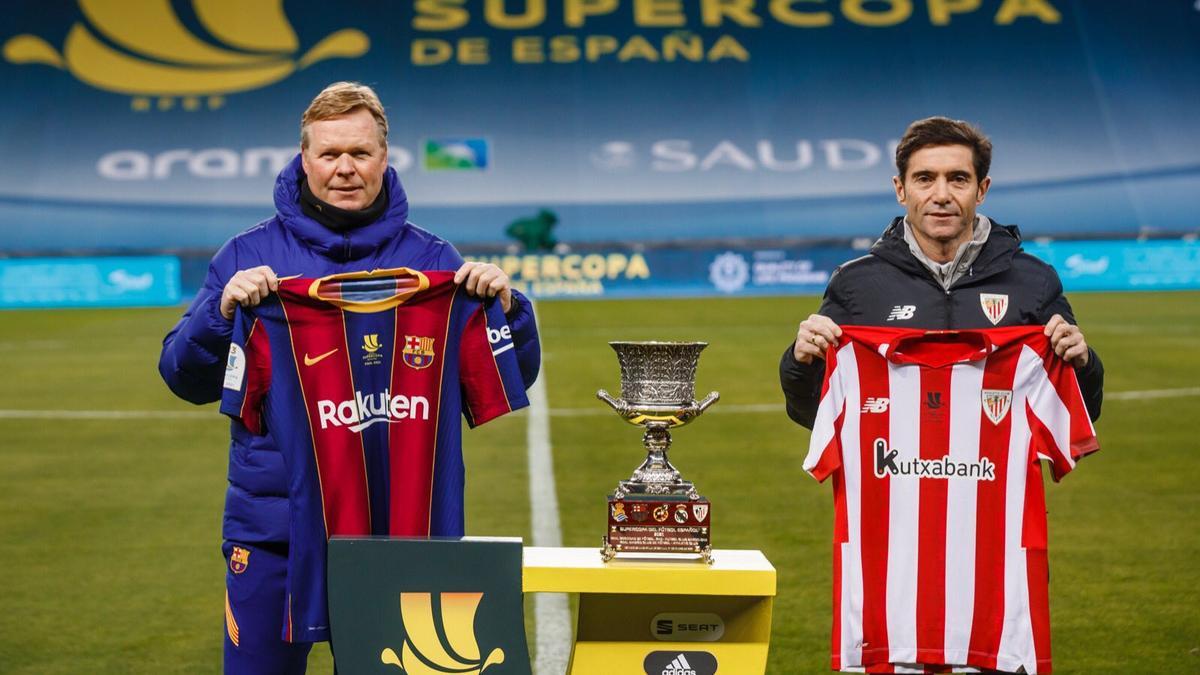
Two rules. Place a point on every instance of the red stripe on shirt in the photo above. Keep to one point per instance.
(988, 620)
(931, 532)
(873, 378)
(337, 451)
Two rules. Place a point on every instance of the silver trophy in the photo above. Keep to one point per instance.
(658, 389)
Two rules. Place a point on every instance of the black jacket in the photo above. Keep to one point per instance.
(890, 287)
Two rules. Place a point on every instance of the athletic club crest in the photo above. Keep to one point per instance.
(418, 351)
(996, 403)
(995, 306)
(700, 511)
(239, 559)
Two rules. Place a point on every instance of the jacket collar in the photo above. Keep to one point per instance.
(997, 253)
(340, 246)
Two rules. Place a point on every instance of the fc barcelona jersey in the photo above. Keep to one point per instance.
(361, 379)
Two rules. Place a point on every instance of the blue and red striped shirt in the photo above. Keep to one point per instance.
(361, 379)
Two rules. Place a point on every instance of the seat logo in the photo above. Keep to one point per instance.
(439, 635)
(314, 360)
(149, 54)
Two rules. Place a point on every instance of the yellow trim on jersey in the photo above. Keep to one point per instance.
(231, 626)
(370, 305)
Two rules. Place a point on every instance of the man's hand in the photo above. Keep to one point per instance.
(815, 335)
(485, 280)
(248, 288)
(1067, 341)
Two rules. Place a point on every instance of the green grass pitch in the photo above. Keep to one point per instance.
(110, 528)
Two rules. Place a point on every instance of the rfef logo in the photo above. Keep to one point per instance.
(680, 663)
(148, 53)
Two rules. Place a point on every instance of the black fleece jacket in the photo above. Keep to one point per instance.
(890, 287)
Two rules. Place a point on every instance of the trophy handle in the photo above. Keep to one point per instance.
(616, 404)
(712, 398)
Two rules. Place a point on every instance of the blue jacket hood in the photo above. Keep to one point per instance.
(342, 246)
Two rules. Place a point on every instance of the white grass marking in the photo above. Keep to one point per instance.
(599, 410)
(552, 615)
(1152, 393)
(108, 414)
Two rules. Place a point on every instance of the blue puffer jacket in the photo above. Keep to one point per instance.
(194, 352)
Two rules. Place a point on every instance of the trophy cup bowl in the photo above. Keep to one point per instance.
(656, 510)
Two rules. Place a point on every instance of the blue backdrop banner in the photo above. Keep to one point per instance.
(162, 124)
(89, 282)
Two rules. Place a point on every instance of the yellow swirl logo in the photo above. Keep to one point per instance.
(440, 636)
(143, 49)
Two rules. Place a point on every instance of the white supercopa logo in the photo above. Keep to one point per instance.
(363, 411)
(729, 272)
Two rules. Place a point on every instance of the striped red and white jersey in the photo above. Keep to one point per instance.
(934, 441)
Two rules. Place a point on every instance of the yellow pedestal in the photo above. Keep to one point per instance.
(619, 602)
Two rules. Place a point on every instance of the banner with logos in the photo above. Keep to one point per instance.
(161, 124)
(805, 270)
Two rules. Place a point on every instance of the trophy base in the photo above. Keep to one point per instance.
(668, 526)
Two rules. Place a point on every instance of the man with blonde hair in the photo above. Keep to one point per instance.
(339, 208)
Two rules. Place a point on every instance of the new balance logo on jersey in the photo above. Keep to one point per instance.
(875, 404)
(946, 468)
(902, 312)
(363, 411)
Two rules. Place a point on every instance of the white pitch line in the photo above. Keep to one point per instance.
(1152, 393)
(107, 414)
(552, 615)
(599, 410)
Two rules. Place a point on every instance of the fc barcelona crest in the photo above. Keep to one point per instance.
(418, 351)
(996, 403)
(239, 559)
(995, 306)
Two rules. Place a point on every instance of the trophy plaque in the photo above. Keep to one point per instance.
(656, 510)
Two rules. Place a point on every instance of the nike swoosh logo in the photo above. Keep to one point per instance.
(314, 361)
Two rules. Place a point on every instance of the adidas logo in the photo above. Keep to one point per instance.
(679, 666)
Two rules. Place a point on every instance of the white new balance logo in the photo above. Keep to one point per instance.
(902, 312)
(679, 666)
(875, 404)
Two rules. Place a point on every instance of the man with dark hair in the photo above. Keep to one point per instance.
(940, 266)
(339, 208)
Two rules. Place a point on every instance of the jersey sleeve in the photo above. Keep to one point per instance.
(247, 372)
(824, 446)
(1062, 429)
(489, 374)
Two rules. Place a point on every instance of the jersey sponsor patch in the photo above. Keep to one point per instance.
(235, 368)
